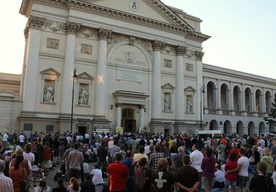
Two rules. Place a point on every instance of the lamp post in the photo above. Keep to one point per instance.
(202, 91)
(72, 105)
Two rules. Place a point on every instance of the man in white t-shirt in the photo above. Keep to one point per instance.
(5, 140)
(21, 139)
(196, 160)
(242, 168)
(97, 175)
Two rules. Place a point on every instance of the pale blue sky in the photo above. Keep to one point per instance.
(243, 34)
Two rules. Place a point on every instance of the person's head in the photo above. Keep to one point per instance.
(261, 167)
(18, 161)
(28, 148)
(232, 157)
(254, 148)
(162, 164)
(180, 149)
(241, 151)
(195, 147)
(266, 151)
(142, 162)
(74, 183)
(218, 167)
(123, 147)
(141, 149)
(76, 146)
(88, 177)
(97, 166)
(186, 160)
(209, 152)
(2, 165)
(157, 148)
(60, 183)
(18, 151)
(118, 156)
(128, 154)
(42, 184)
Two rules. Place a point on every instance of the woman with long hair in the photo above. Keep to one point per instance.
(268, 160)
(73, 185)
(260, 182)
(231, 178)
(18, 174)
(143, 176)
(42, 187)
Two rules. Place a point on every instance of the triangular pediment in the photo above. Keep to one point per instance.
(153, 10)
(189, 89)
(50, 71)
(167, 86)
(85, 75)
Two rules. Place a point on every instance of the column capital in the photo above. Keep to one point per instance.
(158, 45)
(72, 28)
(104, 34)
(36, 22)
(180, 50)
(199, 55)
(118, 104)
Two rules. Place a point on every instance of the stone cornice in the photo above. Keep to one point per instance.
(10, 82)
(197, 36)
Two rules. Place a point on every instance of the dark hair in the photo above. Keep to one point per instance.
(186, 159)
(128, 153)
(28, 148)
(42, 184)
(209, 152)
(242, 151)
(157, 148)
(76, 146)
(88, 177)
(232, 157)
(196, 146)
(118, 156)
(74, 183)
(162, 164)
(143, 161)
(60, 183)
(141, 149)
(18, 160)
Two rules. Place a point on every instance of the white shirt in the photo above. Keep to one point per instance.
(86, 136)
(196, 160)
(85, 167)
(98, 176)
(21, 138)
(274, 178)
(260, 149)
(5, 137)
(262, 142)
(244, 162)
(219, 176)
(29, 156)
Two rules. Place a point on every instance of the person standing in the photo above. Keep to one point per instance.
(155, 156)
(242, 168)
(268, 160)
(208, 170)
(5, 141)
(75, 158)
(18, 174)
(118, 175)
(231, 178)
(196, 160)
(177, 160)
(187, 177)
(5, 182)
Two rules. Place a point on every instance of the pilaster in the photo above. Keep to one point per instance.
(199, 82)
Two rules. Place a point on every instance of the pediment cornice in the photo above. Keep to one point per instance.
(177, 25)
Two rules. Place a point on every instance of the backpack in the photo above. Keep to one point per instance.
(140, 176)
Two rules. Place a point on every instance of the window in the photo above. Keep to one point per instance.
(28, 127)
(49, 127)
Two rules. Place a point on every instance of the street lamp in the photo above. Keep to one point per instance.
(202, 91)
(73, 90)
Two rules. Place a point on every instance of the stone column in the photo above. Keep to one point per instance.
(31, 62)
(142, 116)
(242, 99)
(199, 83)
(231, 99)
(218, 98)
(180, 51)
(100, 101)
(119, 114)
(69, 66)
(252, 102)
(156, 83)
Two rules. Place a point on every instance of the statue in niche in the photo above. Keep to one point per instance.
(134, 5)
(189, 106)
(167, 103)
(83, 97)
(48, 95)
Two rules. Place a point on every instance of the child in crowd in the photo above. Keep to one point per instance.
(97, 175)
(219, 178)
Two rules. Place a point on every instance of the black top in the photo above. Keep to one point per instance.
(87, 186)
(259, 184)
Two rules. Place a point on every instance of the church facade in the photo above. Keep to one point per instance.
(132, 66)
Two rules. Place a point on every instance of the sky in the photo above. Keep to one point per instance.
(243, 34)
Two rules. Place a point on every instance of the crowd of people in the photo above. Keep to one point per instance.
(139, 162)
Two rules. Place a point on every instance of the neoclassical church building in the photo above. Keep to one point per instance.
(128, 65)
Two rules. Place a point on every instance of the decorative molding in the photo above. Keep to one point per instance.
(50, 71)
(146, 44)
(86, 49)
(167, 86)
(169, 49)
(55, 26)
(189, 89)
(116, 38)
(158, 45)
(36, 22)
(199, 55)
(88, 32)
(85, 75)
(180, 50)
(72, 28)
(52, 43)
(104, 34)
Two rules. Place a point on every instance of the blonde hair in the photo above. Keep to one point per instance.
(266, 151)
(18, 151)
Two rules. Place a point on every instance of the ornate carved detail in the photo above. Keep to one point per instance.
(199, 55)
(55, 26)
(146, 44)
(131, 41)
(72, 28)
(36, 22)
(86, 49)
(88, 32)
(52, 43)
(158, 45)
(180, 50)
(169, 49)
(190, 54)
(104, 34)
(116, 38)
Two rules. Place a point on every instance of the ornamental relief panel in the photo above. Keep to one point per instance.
(116, 38)
(86, 49)
(53, 26)
(169, 49)
(88, 33)
(52, 43)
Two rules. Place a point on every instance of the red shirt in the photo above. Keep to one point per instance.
(233, 176)
(236, 151)
(118, 174)
(47, 153)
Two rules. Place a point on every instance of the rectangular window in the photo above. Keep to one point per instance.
(28, 127)
(49, 127)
